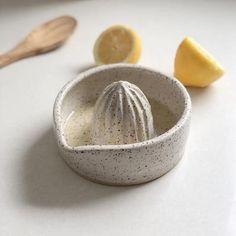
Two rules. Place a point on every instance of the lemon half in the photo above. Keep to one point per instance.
(194, 66)
(117, 44)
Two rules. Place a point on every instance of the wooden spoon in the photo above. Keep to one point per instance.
(44, 38)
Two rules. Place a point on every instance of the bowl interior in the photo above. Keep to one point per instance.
(88, 86)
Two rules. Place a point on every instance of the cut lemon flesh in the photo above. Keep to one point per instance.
(117, 44)
(194, 66)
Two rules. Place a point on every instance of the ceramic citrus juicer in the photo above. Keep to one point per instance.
(122, 124)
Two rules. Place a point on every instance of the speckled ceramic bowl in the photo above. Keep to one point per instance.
(130, 163)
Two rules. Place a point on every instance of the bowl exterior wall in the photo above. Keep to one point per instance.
(129, 166)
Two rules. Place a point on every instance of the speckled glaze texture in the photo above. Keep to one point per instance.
(122, 115)
(126, 164)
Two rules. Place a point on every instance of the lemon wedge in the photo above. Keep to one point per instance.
(194, 66)
(117, 44)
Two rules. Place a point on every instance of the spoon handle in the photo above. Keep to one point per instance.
(7, 59)
(17, 53)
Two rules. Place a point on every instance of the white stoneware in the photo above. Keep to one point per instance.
(126, 164)
(122, 115)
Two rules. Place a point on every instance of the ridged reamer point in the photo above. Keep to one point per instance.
(122, 115)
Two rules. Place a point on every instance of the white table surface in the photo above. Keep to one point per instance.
(40, 195)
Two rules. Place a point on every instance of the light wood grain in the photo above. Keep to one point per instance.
(44, 38)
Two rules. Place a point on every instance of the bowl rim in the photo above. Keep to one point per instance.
(83, 75)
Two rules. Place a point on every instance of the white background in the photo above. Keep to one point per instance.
(40, 195)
